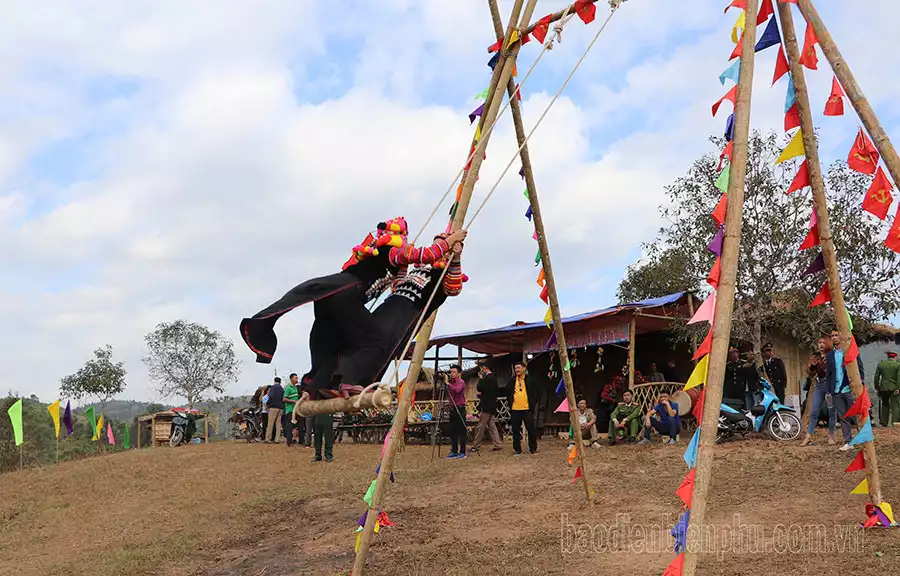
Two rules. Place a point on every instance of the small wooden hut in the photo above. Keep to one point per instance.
(158, 427)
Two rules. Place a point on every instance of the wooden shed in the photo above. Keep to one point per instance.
(157, 427)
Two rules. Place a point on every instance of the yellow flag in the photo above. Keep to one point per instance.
(54, 413)
(698, 376)
(478, 132)
(739, 25)
(888, 511)
(863, 487)
(98, 429)
(794, 148)
(548, 317)
(512, 38)
(356, 547)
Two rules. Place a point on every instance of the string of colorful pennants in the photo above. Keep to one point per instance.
(15, 417)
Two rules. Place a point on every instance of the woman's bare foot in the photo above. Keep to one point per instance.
(807, 440)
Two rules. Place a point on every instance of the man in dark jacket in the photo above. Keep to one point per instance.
(488, 390)
(276, 407)
(523, 394)
(774, 371)
(741, 381)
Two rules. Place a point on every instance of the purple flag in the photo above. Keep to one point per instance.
(476, 113)
(67, 419)
(817, 265)
(729, 128)
(528, 213)
(716, 245)
(362, 519)
(552, 341)
(522, 169)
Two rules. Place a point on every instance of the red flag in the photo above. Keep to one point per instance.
(863, 156)
(526, 39)
(801, 180)
(577, 474)
(586, 10)
(792, 118)
(495, 46)
(878, 199)
(545, 295)
(835, 104)
(705, 347)
(808, 56)
(788, 1)
(893, 239)
(716, 272)
(861, 406)
(541, 28)
(686, 490)
(765, 10)
(781, 65)
(674, 569)
(822, 297)
(726, 153)
(852, 352)
(859, 463)
(812, 238)
(738, 50)
(698, 409)
(719, 213)
(742, 4)
(518, 93)
(731, 97)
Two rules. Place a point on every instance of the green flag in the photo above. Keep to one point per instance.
(89, 413)
(15, 416)
(126, 439)
(723, 179)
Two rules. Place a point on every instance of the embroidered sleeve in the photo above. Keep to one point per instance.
(399, 277)
(453, 280)
(409, 254)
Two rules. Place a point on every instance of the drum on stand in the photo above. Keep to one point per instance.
(686, 400)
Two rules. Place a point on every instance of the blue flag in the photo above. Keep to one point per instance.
(771, 37)
(690, 455)
(791, 96)
(493, 61)
(865, 434)
(733, 73)
(560, 388)
(528, 213)
(679, 531)
(729, 128)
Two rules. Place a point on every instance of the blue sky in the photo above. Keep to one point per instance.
(158, 162)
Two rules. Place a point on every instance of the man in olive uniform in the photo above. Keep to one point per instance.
(887, 384)
(625, 420)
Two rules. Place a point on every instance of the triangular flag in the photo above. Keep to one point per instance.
(817, 265)
(863, 156)
(714, 274)
(715, 245)
(849, 319)
(545, 295)
(878, 198)
(572, 454)
(492, 63)
(513, 37)
(893, 239)
(726, 153)
(67, 419)
(577, 474)
(478, 132)
(770, 37)
(483, 94)
(548, 317)
(561, 387)
(15, 417)
(705, 346)
(791, 97)
(698, 408)
(813, 219)
(690, 455)
(563, 406)
(765, 10)
(808, 56)
(370, 493)
(542, 27)
(720, 211)
(541, 279)
(731, 96)
(476, 113)
(126, 438)
(861, 406)
(781, 65)
(801, 180)
(99, 428)
(537, 257)
(54, 414)
(794, 148)
(89, 414)
(859, 463)
(706, 310)
(677, 565)
(109, 434)
(864, 435)
(862, 487)
(551, 341)
(739, 25)
(358, 538)
(888, 511)
(738, 50)
(724, 177)
(792, 118)
(529, 212)
(823, 297)
(835, 104)
(698, 376)
(729, 128)
(811, 240)
(742, 4)
(732, 73)
(496, 45)
(586, 10)
(686, 490)
(852, 352)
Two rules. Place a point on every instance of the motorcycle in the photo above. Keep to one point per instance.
(779, 421)
(184, 425)
(248, 422)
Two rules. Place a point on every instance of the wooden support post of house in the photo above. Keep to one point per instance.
(500, 78)
(437, 358)
(632, 333)
(152, 431)
(206, 429)
(724, 297)
(553, 296)
(459, 356)
(820, 204)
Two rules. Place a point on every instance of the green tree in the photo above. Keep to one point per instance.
(188, 360)
(770, 291)
(99, 378)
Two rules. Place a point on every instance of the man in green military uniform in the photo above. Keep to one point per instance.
(625, 419)
(887, 384)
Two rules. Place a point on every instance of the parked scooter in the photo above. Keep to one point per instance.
(779, 421)
(248, 422)
(184, 425)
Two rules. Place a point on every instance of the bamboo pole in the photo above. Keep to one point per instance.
(500, 78)
(553, 296)
(724, 297)
(825, 236)
(854, 93)
(305, 407)
(632, 332)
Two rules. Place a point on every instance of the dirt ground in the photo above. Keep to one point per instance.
(266, 510)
